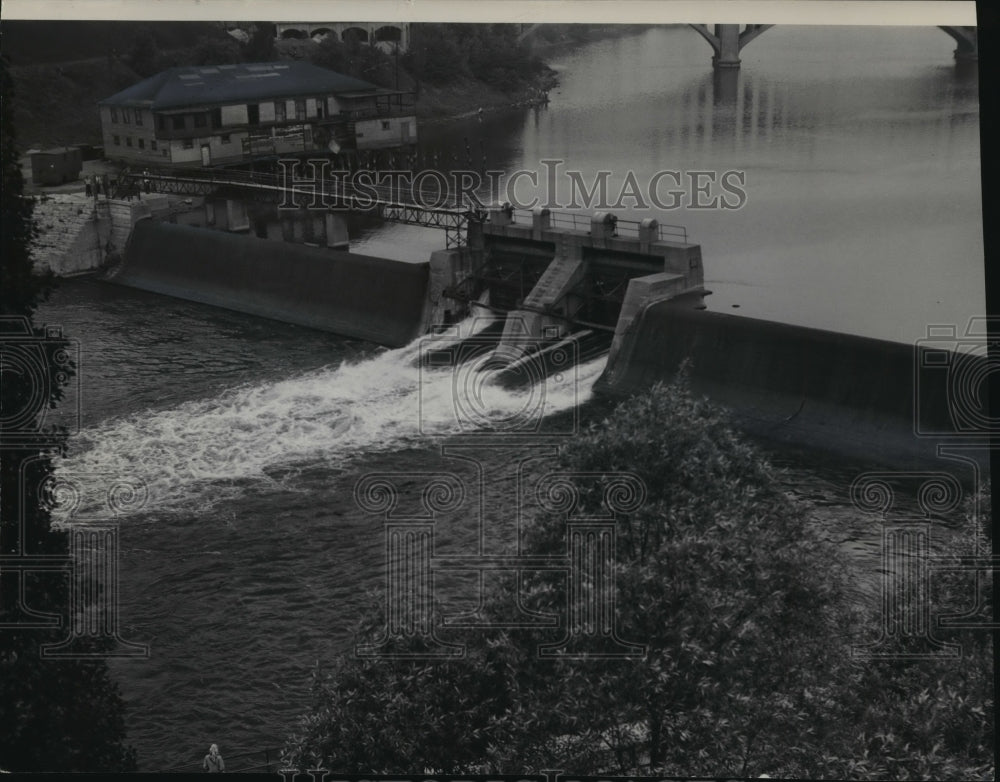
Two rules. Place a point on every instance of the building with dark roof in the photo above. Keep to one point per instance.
(231, 114)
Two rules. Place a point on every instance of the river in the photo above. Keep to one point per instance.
(250, 561)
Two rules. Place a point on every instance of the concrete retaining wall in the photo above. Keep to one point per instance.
(858, 397)
(124, 214)
(345, 293)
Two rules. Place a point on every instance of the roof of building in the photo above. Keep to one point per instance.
(206, 85)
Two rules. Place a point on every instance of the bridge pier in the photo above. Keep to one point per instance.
(727, 55)
(236, 216)
(967, 39)
(336, 232)
(727, 41)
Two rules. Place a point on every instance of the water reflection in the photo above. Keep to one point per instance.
(860, 148)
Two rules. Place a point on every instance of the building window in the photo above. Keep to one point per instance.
(279, 111)
(188, 144)
(117, 140)
(300, 109)
(152, 145)
(125, 116)
(321, 107)
(114, 114)
(128, 141)
(142, 143)
(161, 122)
(138, 117)
(216, 118)
(177, 122)
(385, 124)
(164, 153)
(201, 120)
(224, 138)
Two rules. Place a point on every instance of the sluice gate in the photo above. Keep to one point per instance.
(565, 289)
(563, 281)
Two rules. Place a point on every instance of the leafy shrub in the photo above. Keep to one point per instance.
(742, 608)
(717, 575)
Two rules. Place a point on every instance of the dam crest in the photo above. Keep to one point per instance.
(567, 284)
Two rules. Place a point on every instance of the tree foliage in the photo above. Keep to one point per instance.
(355, 58)
(443, 53)
(21, 289)
(260, 46)
(742, 607)
(55, 715)
(720, 576)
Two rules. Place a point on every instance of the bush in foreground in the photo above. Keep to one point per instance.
(741, 606)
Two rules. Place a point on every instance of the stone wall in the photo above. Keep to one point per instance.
(72, 233)
(76, 234)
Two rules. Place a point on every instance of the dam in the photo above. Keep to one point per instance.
(252, 560)
(631, 290)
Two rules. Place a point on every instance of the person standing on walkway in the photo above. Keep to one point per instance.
(213, 762)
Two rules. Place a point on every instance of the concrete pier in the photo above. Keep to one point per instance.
(727, 41)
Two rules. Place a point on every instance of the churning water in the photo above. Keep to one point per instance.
(202, 452)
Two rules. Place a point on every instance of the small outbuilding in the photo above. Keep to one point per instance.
(56, 166)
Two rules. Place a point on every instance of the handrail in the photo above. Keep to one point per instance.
(384, 195)
(582, 222)
(331, 187)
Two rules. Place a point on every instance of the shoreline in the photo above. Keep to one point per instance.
(496, 100)
(469, 97)
(80, 82)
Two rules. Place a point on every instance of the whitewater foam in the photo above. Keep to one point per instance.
(199, 453)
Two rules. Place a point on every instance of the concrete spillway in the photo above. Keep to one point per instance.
(345, 293)
(863, 398)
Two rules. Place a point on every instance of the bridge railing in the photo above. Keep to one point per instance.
(571, 220)
(665, 231)
(581, 222)
(427, 198)
(385, 196)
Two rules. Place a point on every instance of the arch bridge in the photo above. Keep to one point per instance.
(387, 35)
(728, 40)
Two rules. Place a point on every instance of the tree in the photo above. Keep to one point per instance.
(720, 577)
(55, 715)
(354, 58)
(927, 718)
(735, 597)
(216, 51)
(397, 715)
(260, 46)
(742, 607)
(435, 54)
(21, 289)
